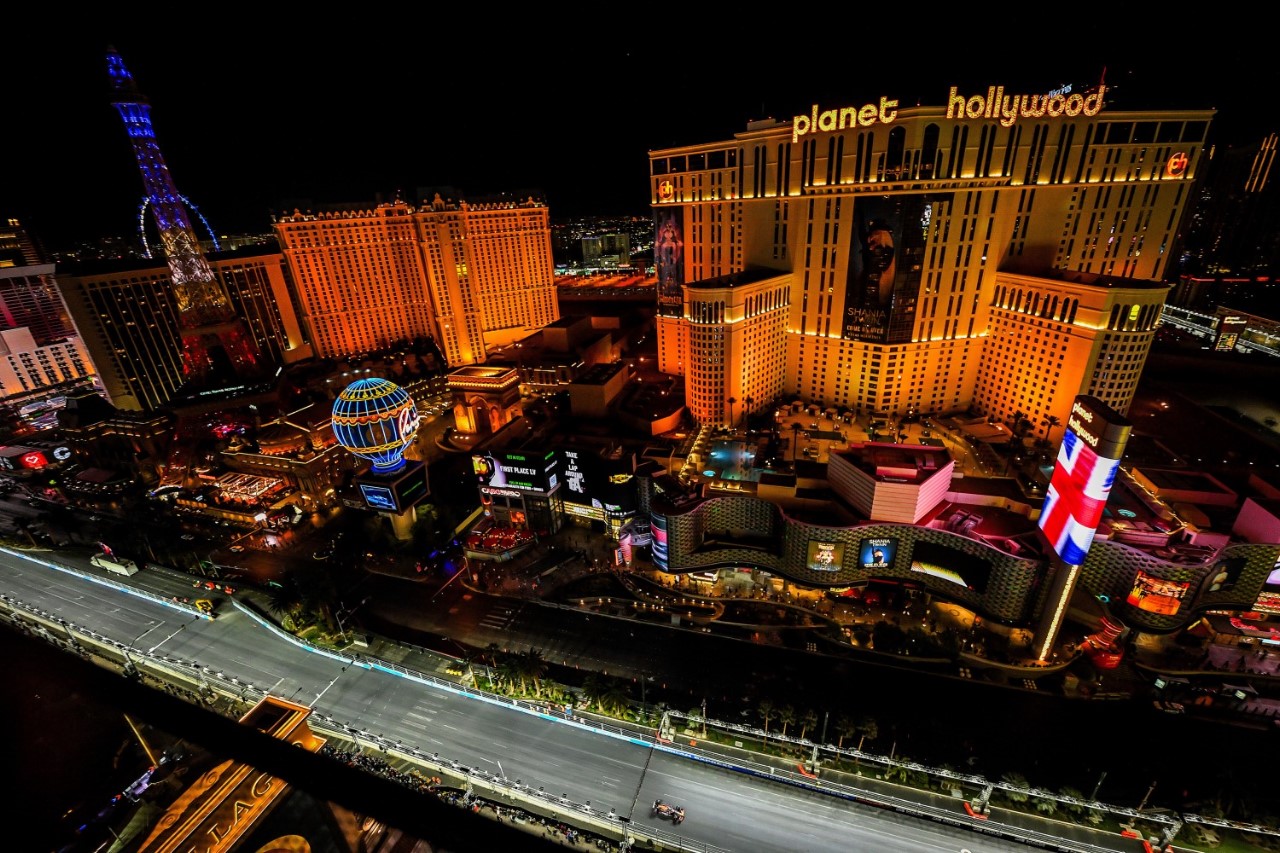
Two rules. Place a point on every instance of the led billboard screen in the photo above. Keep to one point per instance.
(825, 556)
(1156, 596)
(1092, 446)
(529, 472)
(877, 553)
(951, 565)
(1269, 599)
(658, 544)
(379, 497)
(1225, 574)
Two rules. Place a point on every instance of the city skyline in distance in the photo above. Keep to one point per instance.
(253, 120)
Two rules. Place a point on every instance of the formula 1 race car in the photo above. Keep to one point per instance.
(661, 809)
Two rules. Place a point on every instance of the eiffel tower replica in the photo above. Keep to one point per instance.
(217, 349)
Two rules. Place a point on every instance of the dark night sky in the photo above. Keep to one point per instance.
(255, 113)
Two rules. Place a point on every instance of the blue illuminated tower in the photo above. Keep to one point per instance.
(216, 347)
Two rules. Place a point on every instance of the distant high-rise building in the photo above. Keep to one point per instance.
(609, 251)
(17, 248)
(456, 273)
(1234, 227)
(216, 348)
(999, 251)
(28, 296)
(40, 353)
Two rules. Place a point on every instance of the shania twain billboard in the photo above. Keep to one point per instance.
(885, 266)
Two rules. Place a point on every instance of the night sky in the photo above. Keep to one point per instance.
(257, 113)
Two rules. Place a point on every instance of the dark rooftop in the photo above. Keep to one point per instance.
(737, 279)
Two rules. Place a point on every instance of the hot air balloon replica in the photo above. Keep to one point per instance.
(376, 419)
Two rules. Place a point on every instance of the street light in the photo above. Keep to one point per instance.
(129, 665)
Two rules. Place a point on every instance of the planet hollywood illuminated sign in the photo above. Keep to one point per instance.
(993, 104)
(1009, 108)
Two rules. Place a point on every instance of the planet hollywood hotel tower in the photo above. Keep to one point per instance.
(1000, 250)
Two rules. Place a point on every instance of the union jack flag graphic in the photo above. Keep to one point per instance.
(1077, 494)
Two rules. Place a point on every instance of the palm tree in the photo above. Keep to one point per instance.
(1018, 781)
(285, 600)
(616, 696)
(808, 720)
(795, 438)
(491, 654)
(786, 716)
(1076, 810)
(318, 592)
(731, 402)
(869, 729)
(1050, 421)
(531, 667)
(746, 407)
(845, 727)
(766, 710)
(508, 672)
(594, 689)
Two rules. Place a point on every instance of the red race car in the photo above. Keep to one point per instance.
(661, 809)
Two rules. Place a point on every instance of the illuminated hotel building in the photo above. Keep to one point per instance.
(1053, 333)
(40, 353)
(457, 273)
(926, 250)
(129, 322)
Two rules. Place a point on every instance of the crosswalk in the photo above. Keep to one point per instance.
(500, 617)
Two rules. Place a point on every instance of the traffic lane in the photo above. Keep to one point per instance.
(721, 810)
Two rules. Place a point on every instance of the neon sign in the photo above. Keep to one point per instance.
(839, 119)
(994, 104)
(1176, 165)
(1009, 108)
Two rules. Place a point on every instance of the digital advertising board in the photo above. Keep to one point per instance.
(604, 484)
(877, 553)
(1225, 574)
(378, 497)
(1157, 596)
(529, 472)
(1269, 599)
(824, 556)
(658, 542)
(951, 564)
(1230, 327)
(395, 493)
(1092, 447)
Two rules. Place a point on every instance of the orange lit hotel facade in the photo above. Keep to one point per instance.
(458, 273)
(999, 251)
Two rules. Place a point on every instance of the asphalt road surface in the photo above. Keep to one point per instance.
(725, 809)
